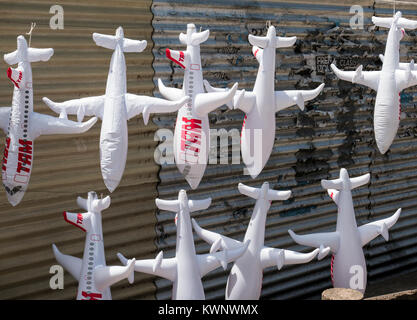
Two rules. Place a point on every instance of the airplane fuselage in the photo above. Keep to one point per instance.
(18, 151)
(192, 130)
(93, 257)
(187, 285)
(258, 130)
(114, 132)
(387, 111)
(348, 268)
(245, 279)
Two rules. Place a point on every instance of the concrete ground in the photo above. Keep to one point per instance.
(402, 287)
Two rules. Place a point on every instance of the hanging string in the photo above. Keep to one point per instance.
(32, 26)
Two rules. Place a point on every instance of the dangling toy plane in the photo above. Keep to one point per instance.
(116, 107)
(245, 279)
(260, 105)
(187, 268)
(347, 241)
(22, 125)
(192, 130)
(93, 276)
(393, 78)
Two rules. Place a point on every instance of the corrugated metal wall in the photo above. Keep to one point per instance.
(335, 131)
(68, 166)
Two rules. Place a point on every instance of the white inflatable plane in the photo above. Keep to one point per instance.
(94, 277)
(260, 105)
(348, 267)
(393, 78)
(115, 107)
(187, 268)
(22, 125)
(245, 279)
(192, 129)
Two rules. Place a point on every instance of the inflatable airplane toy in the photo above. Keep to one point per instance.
(260, 105)
(22, 125)
(245, 279)
(94, 277)
(348, 260)
(192, 131)
(187, 268)
(393, 78)
(116, 107)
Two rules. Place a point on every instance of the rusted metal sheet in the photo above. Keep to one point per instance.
(68, 166)
(335, 131)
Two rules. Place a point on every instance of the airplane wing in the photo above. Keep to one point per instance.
(104, 277)
(211, 261)
(142, 104)
(164, 268)
(325, 241)
(402, 65)
(371, 230)
(91, 106)
(287, 98)
(366, 78)
(4, 118)
(280, 257)
(207, 102)
(243, 100)
(405, 78)
(172, 94)
(215, 240)
(46, 124)
(70, 263)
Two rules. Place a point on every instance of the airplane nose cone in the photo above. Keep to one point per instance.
(16, 198)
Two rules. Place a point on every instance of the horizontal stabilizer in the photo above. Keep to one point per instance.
(401, 22)
(168, 205)
(104, 277)
(127, 45)
(196, 205)
(359, 181)
(261, 42)
(284, 42)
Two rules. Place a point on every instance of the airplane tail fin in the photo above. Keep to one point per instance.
(192, 37)
(401, 22)
(127, 45)
(23, 53)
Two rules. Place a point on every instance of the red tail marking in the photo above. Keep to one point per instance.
(169, 56)
(92, 295)
(70, 222)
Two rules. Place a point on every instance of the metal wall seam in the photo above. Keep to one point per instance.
(68, 166)
(335, 131)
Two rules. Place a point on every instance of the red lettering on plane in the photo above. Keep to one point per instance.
(6, 154)
(91, 296)
(25, 156)
(79, 218)
(191, 135)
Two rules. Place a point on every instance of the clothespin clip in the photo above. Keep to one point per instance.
(32, 26)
